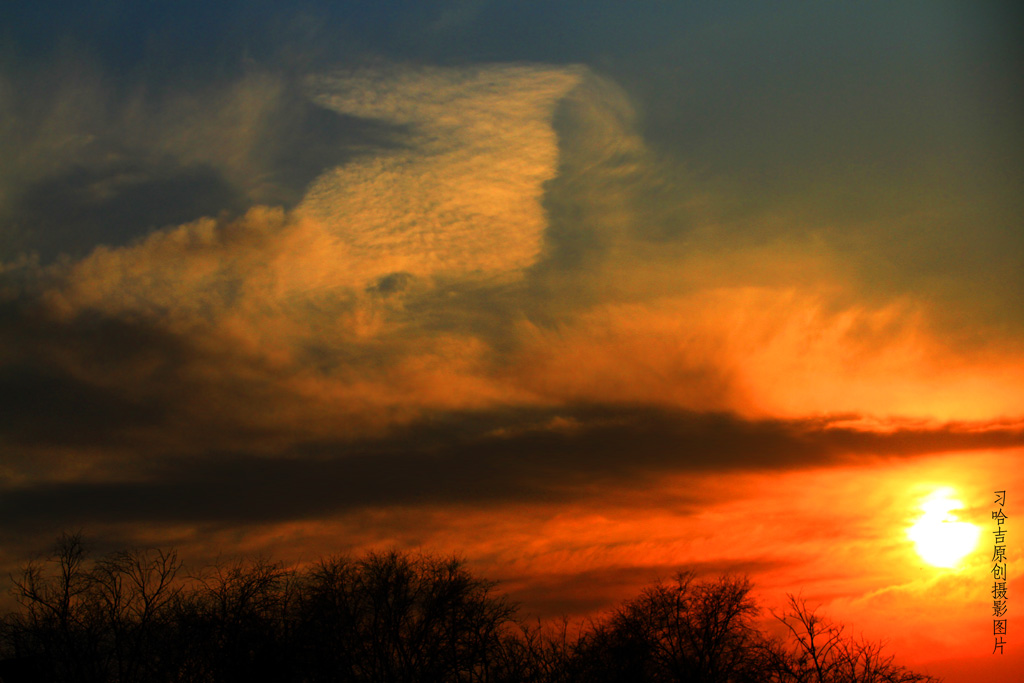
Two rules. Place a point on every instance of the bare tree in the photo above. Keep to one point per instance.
(818, 651)
(539, 653)
(328, 618)
(233, 625)
(683, 630)
(132, 591)
(92, 622)
(57, 621)
(417, 618)
(134, 617)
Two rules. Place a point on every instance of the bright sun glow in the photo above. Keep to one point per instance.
(941, 540)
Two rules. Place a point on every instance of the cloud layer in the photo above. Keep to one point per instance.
(507, 241)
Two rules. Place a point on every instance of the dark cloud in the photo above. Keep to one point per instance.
(46, 408)
(301, 140)
(476, 459)
(46, 399)
(85, 207)
(103, 385)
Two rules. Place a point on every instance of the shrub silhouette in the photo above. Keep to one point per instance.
(138, 617)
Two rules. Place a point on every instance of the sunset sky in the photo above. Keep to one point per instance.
(587, 293)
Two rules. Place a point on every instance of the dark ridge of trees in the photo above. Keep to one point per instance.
(139, 617)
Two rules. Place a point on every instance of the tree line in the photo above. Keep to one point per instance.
(138, 616)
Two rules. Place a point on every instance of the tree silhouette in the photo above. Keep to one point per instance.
(94, 623)
(136, 617)
(233, 625)
(394, 618)
(818, 651)
(682, 630)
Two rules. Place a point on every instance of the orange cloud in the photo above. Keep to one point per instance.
(467, 198)
(768, 351)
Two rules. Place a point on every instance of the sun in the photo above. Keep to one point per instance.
(940, 539)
